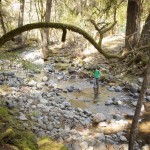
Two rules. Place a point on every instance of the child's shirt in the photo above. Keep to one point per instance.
(97, 74)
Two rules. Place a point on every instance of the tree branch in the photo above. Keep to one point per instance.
(8, 36)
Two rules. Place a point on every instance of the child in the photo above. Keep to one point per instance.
(96, 75)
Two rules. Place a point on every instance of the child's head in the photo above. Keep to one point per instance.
(97, 68)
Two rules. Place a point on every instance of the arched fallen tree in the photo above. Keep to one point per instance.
(64, 27)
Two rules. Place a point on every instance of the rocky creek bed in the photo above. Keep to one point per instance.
(54, 101)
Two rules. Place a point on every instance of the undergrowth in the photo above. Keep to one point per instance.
(14, 136)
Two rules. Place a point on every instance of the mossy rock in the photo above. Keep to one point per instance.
(48, 144)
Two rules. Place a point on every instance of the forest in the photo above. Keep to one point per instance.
(75, 75)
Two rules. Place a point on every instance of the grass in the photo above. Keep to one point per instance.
(27, 65)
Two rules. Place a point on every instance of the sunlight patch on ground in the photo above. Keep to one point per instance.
(145, 127)
(90, 50)
(113, 127)
(112, 39)
(34, 56)
(88, 59)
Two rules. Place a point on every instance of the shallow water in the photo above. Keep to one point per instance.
(84, 98)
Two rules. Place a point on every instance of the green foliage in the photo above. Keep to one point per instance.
(27, 142)
(12, 56)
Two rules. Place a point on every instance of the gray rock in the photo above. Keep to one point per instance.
(43, 101)
(70, 89)
(88, 112)
(49, 126)
(99, 117)
(45, 78)
(118, 102)
(110, 141)
(76, 146)
(109, 102)
(41, 133)
(22, 117)
(135, 95)
(32, 83)
(110, 89)
(33, 106)
(79, 109)
(84, 145)
(134, 103)
(87, 100)
(134, 88)
(71, 70)
(25, 124)
(10, 105)
(49, 68)
(123, 138)
(140, 80)
(148, 92)
(118, 89)
(87, 121)
(40, 106)
(100, 137)
(100, 146)
(66, 104)
(13, 82)
(46, 109)
(148, 98)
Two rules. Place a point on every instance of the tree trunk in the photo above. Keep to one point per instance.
(132, 24)
(47, 17)
(45, 31)
(134, 125)
(20, 20)
(1, 19)
(145, 35)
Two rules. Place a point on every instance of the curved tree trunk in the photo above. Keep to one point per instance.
(62, 26)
